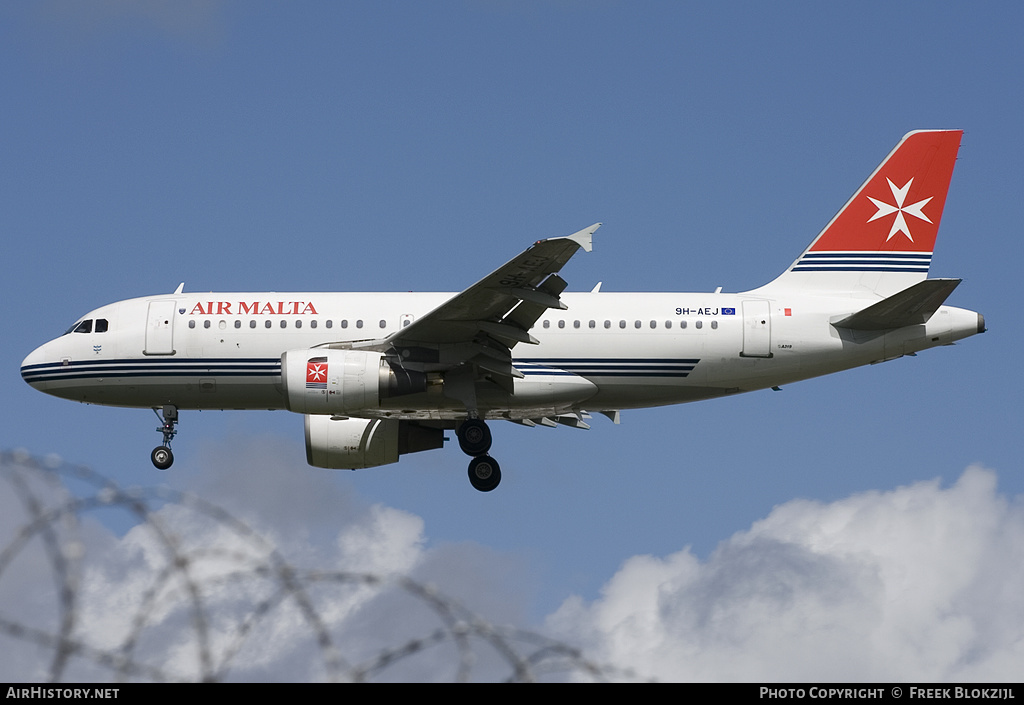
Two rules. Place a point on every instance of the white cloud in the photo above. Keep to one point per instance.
(918, 583)
(284, 593)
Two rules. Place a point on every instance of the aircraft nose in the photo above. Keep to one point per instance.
(32, 365)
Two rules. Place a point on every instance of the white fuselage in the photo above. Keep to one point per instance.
(606, 351)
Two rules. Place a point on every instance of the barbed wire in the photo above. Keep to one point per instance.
(189, 580)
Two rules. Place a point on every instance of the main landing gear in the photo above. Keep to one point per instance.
(475, 440)
(162, 456)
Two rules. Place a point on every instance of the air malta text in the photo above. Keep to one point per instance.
(253, 308)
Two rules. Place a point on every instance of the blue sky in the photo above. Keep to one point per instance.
(416, 146)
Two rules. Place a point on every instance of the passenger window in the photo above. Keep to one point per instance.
(607, 324)
(547, 324)
(268, 324)
(206, 323)
(593, 324)
(561, 324)
(329, 323)
(682, 324)
(668, 324)
(298, 324)
(284, 324)
(637, 324)
(359, 323)
(344, 323)
(383, 323)
(654, 324)
(312, 324)
(252, 323)
(714, 325)
(191, 324)
(238, 324)
(622, 324)
(699, 324)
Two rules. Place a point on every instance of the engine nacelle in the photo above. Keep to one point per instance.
(352, 444)
(320, 381)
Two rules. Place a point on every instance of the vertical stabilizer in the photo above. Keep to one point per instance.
(882, 240)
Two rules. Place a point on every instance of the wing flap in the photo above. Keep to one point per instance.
(536, 296)
(525, 315)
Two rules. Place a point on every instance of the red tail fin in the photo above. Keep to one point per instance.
(882, 240)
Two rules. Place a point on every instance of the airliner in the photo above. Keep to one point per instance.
(380, 375)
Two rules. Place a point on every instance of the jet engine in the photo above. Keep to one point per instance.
(328, 381)
(352, 444)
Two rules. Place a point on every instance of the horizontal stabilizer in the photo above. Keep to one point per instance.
(910, 307)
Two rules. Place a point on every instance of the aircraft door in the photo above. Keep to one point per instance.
(757, 329)
(160, 328)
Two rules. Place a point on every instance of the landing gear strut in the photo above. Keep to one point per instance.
(162, 456)
(475, 439)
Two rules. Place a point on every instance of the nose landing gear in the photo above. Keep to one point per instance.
(475, 440)
(162, 456)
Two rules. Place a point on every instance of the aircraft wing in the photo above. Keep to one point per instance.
(482, 324)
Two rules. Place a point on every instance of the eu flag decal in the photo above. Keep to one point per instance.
(728, 312)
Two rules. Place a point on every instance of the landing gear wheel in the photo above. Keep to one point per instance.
(474, 437)
(162, 457)
(484, 473)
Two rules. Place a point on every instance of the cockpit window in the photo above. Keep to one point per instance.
(86, 326)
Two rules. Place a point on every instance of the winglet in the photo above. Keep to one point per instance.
(584, 238)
